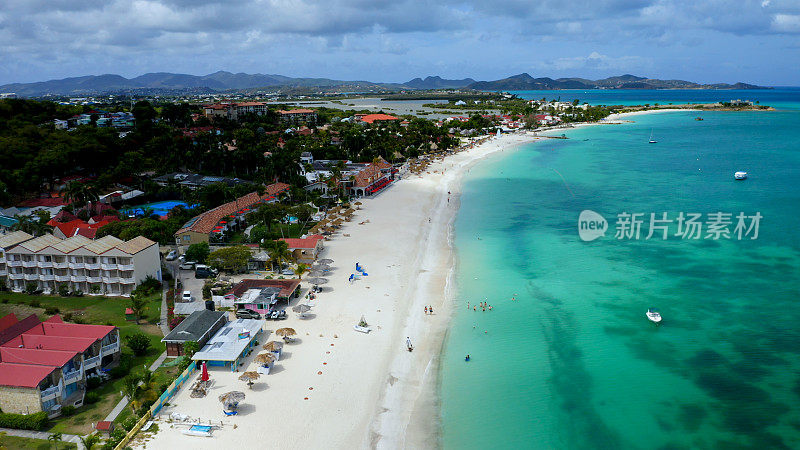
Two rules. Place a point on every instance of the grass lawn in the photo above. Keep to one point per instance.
(100, 311)
(21, 443)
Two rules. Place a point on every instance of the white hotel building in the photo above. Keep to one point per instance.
(106, 266)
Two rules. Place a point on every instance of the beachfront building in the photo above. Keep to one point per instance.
(107, 266)
(8, 241)
(373, 118)
(371, 179)
(289, 288)
(224, 218)
(305, 250)
(198, 327)
(44, 365)
(231, 344)
(298, 116)
(194, 181)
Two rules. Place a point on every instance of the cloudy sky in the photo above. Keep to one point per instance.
(756, 41)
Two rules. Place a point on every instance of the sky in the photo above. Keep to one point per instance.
(753, 41)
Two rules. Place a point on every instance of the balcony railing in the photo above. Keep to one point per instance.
(110, 348)
(47, 277)
(71, 377)
(50, 392)
(76, 265)
(61, 265)
(63, 278)
(12, 263)
(125, 266)
(106, 266)
(45, 264)
(3, 272)
(92, 266)
(94, 279)
(89, 363)
(78, 278)
(31, 276)
(126, 280)
(110, 279)
(15, 276)
(28, 264)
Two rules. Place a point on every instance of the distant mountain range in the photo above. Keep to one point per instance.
(227, 81)
(524, 82)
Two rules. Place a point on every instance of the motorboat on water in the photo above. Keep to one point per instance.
(653, 315)
(740, 175)
(698, 118)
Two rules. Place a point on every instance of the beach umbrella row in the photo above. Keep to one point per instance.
(273, 346)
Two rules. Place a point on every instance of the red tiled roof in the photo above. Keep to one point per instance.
(286, 286)
(205, 223)
(104, 425)
(23, 375)
(45, 202)
(300, 243)
(71, 330)
(369, 174)
(87, 231)
(7, 321)
(39, 357)
(11, 330)
(68, 228)
(51, 342)
(369, 118)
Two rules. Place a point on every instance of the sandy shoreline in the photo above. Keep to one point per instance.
(336, 388)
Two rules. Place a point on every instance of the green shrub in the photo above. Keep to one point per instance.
(37, 421)
(35, 303)
(91, 398)
(93, 383)
(51, 310)
(129, 423)
(30, 288)
(3, 286)
(5, 300)
(63, 290)
(67, 317)
(138, 342)
(68, 410)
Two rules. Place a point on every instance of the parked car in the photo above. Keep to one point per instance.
(287, 272)
(187, 296)
(203, 271)
(171, 255)
(247, 314)
(188, 265)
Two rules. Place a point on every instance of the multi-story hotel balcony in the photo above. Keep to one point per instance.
(89, 363)
(127, 280)
(15, 275)
(76, 265)
(78, 278)
(107, 279)
(92, 266)
(3, 271)
(61, 265)
(97, 279)
(46, 277)
(108, 266)
(63, 278)
(72, 377)
(29, 264)
(110, 348)
(45, 264)
(31, 276)
(51, 393)
(128, 267)
(13, 263)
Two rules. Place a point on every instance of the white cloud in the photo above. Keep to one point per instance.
(786, 23)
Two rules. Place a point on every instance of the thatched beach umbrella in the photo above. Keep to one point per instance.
(249, 377)
(231, 399)
(301, 309)
(317, 280)
(325, 261)
(265, 359)
(357, 203)
(285, 332)
(273, 346)
(316, 273)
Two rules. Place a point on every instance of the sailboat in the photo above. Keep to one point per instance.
(652, 141)
(653, 315)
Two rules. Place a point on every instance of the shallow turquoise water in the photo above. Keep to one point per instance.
(573, 362)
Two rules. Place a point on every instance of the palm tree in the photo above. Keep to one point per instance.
(89, 441)
(55, 438)
(300, 270)
(130, 386)
(278, 251)
(80, 194)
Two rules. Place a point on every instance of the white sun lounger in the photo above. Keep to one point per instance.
(362, 329)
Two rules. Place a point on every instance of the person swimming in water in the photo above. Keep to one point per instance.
(466, 358)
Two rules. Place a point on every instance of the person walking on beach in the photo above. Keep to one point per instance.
(426, 310)
(430, 309)
(408, 344)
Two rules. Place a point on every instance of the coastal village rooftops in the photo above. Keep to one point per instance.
(370, 118)
(72, 244)
(103, 244)
(39, 243)
(100, 246)
(300, 243)
(15, 238)
(287, 287)
(71, 330)
(296, 111)
(205, 223)
(23, 375)
(43, 342)
(194, 327)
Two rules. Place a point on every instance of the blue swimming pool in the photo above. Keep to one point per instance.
(203, 428)
(159, 208)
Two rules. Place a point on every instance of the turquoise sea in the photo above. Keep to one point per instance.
(573, 363)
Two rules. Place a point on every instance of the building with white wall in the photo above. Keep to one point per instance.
(107, 266)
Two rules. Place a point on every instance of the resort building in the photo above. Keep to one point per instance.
(371, 179)
(305, 250)
(198, 327)
(233, 111)
(298, 115)
(44, 365)
(194, 181)
(260, 295)
(231, 343)
(8, 241)
(107, 266)
(372, 118)
(225, 217)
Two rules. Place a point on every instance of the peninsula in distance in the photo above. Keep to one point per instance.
(226, 81)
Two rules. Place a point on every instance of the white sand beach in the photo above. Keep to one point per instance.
(335, 387)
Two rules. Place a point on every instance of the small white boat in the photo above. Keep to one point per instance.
(740, 175)
(652, 141)
(653, 315)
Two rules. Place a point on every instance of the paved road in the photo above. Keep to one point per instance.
(42, 435)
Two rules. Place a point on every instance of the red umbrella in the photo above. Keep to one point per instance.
(204, 376)
(223, 221)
